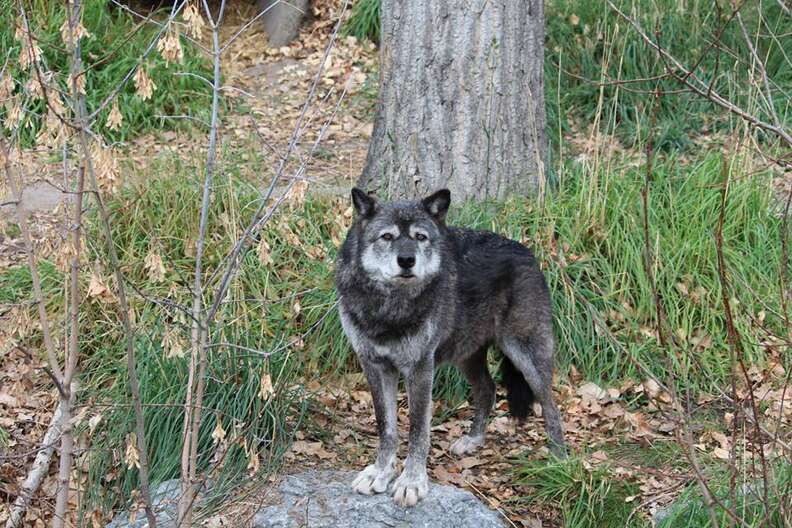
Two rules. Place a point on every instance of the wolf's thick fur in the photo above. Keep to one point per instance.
(415, 293)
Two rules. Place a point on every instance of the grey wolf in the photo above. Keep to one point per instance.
(415, 293)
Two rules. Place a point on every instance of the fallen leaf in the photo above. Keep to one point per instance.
(591, 391)
(469, 462)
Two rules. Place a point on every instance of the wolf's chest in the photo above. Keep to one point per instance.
(404, 347)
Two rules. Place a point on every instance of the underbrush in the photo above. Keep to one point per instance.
(586, 496)
(279, 323)
(116, 43)
(590, 51)
(748, 501)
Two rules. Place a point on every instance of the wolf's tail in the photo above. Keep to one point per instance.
(518, 392)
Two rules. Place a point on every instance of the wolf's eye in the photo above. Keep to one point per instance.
(387, 236)
(420, 237)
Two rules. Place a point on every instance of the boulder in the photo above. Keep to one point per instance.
(324, 499)
(164, 499)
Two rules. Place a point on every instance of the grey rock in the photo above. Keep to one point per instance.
(164, 499)
(324, 499)
(661, 514)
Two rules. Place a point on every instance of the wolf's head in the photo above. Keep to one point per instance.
(401, 243)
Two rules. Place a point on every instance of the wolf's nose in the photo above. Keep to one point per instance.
(406, 262)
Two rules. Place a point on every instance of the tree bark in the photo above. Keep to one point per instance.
(282, 19)
(461, 99)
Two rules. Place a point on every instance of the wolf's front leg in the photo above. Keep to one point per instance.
(383, 381)
(413, 484)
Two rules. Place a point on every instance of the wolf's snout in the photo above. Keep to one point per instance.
(406, 261)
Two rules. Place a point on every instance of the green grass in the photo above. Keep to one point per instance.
(602, 47)
(594, 219)
(586, 43)
(689, 510)
(117, 43)
(587, 498)
(597, 222)
(364, 21)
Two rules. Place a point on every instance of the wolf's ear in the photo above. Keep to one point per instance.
(364, 203)
(437, 204)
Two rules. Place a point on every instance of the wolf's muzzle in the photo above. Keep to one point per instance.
(405, 261)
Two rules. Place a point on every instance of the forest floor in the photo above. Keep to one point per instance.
(625, 427)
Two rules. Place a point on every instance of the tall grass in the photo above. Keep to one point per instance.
(588, 237)
(587, 43)
(589, 50)
(116, 44)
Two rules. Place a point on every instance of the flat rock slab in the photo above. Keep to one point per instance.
(324, 499)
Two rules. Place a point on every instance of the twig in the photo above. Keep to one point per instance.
(489, 500)
(22, 221)
(735, 345)
(83, 120)
(192, 418)
(700, 87)
(648, 257)
(767, 95)
(73, 14)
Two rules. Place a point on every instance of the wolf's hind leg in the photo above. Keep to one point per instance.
(535, 360)
(383, 381)
(482, 390)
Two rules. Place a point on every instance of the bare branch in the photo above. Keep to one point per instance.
(82, 123)
(22, 217)
(192, 417)
(706, 90)
(767, 95)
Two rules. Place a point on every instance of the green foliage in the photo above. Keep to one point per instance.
(689, 510)
(588, 237)
(587, 498)
(588, 44)
(364, 21)
(16, 284)
(116, 44)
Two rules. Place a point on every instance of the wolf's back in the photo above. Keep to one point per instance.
(495, 276)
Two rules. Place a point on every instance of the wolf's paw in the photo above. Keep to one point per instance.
(373, 479)
(408, 489)
(467, 444)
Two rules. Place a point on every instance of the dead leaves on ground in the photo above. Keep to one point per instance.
(600, 423)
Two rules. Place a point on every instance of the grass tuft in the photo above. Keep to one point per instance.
(689, 511)
(587, 497)
(116, 44)
(364, 21)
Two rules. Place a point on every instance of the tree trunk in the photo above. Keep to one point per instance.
(461, 99)
(282, 19)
